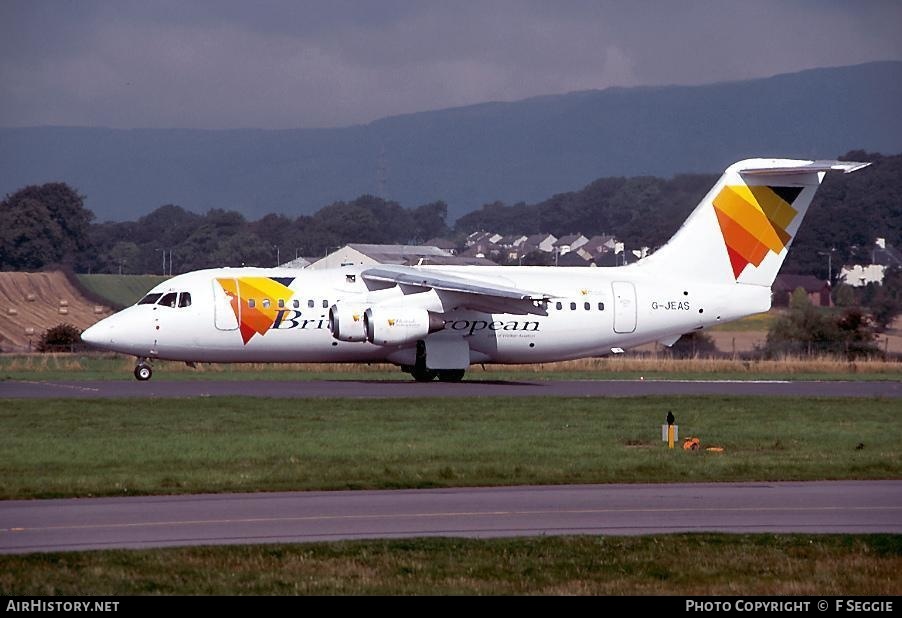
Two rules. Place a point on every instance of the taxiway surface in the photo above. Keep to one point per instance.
(160, 521)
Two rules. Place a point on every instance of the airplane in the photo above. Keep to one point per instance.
(436, 321)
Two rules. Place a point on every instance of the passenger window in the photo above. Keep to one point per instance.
(169, 299)
(266, 303)
(149, 299)
(281, 304)
(251, 303)
(185, 299)
(572, 306)
(325, 304)
(559, 306)
(601, 306)
(586, 306)
(296, 303)
(310, 303)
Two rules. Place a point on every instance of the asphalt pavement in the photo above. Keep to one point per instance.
(162, 521)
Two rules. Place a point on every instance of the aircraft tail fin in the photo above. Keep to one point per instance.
(742, 229)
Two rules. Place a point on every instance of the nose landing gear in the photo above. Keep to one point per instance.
(143, 371)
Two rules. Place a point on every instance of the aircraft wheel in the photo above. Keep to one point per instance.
(451, 375)
(143, 372)
(424, 375)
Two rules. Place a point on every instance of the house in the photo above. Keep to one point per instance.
(574, 258)
(883, 256)
(509, 247)
(483, 236)
(483, 250)
(298, 262)
(512, 240)
(538, 242)
(599, 244)
(568, 243)
(405, 255)
(442, 243)
(818, 290)
(859, 276)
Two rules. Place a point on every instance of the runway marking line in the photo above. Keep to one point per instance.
(73, 387)
(716, 381)
(256, 520)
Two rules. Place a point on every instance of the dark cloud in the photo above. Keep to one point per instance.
(291, 64)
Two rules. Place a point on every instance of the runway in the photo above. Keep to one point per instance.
(141, 522)
(474, 388)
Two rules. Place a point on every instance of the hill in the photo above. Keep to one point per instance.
(120, 290)
(468, 156)
(40, 301)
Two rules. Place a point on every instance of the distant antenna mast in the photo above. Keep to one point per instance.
(381, 173)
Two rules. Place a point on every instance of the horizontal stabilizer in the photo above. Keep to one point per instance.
(804, 167)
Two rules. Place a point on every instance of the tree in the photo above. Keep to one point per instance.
(856, 333)
(806, 329)
(886, 301)
(29, 237)
(429, 221)
(43, 225)
(844, 295)
(60, 338)
(123, 258)
(694, 344)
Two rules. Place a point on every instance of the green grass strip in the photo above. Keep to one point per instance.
(121, 290)
(683, 564)
(91, 366)
(56, 448)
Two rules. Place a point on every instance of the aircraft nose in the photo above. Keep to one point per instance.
(97, 334)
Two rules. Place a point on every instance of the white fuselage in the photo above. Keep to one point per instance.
(590, 312)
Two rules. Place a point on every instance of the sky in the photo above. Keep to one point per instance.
(277, 64)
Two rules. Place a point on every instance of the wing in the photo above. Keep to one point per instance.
(475, 293)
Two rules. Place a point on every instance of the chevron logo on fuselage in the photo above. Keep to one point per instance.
(254, 300)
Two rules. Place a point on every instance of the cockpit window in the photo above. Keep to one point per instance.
(149, 299)
(185, 299)
(168, 300)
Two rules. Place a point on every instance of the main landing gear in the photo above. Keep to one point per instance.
(451, 375)
(421, 373)
(143, 371)
(428, 375)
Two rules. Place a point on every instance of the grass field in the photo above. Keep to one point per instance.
(118, 367)
(121, 290)
(56, 448)
(698, 564)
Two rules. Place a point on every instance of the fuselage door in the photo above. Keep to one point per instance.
(624, 306)
(226, 303)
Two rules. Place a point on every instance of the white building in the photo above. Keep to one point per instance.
(406, 255)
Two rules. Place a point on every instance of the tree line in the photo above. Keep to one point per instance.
(49, 224)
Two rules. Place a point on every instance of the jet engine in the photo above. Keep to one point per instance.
(346, 322)
(399, 325)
